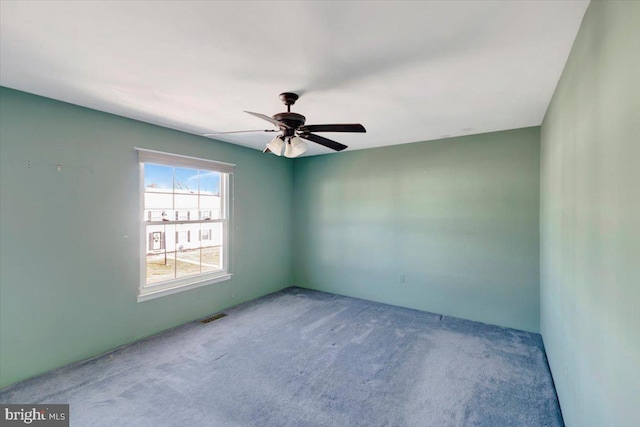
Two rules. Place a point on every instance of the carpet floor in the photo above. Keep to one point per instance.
(306, 358)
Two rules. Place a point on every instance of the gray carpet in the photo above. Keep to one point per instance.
(305, 358)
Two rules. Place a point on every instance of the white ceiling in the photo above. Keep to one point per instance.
(408, 71)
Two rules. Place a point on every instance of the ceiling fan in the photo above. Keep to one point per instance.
(293, 131)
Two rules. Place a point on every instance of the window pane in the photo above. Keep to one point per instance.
(214, 231)
(158, 190)
(211, 247)
(154, 215)
(209, 183)
(159, 215)
(211, 259)
(186, 180)
(186, 202)
(188, 250)
(160, 267)
(210, 205)
(158, 177)
(157, 199)
(160, 253)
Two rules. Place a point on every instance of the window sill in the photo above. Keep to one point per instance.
(170, 289)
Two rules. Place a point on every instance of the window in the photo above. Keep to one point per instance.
(185, 211)
(156, 241)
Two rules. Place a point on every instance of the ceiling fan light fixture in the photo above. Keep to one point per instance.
(295, 147)
(276, 145)
(294, 131)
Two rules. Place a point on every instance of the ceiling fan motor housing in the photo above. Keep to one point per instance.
(292, 121)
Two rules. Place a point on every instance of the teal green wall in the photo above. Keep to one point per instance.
(590, 222)
(69, 241)
(458, 217)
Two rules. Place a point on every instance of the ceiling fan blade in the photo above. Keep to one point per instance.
(241, 131)
(267, 118)
(351, 127)
(323, 141)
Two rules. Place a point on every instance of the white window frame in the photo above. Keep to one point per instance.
(147, 292)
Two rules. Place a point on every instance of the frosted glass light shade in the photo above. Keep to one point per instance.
(295, 147)
(276, 146)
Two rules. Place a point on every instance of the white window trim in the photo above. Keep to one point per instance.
(149, 292)
(180, 285)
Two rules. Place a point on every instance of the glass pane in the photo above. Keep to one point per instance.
(160, 253)
(158, 188)
(210, 207)
(186, 202)
(159, 215)
(209, 183)
(186, 181)
(188, 250)
(157, 200)
(158, 177)
(211, 258)
(160, 267)
(211, 238)
(214, 233)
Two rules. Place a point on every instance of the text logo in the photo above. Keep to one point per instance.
(53, 415)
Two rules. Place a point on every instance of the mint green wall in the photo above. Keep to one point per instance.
(590, 222)
(458, 217)
(69, 240)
